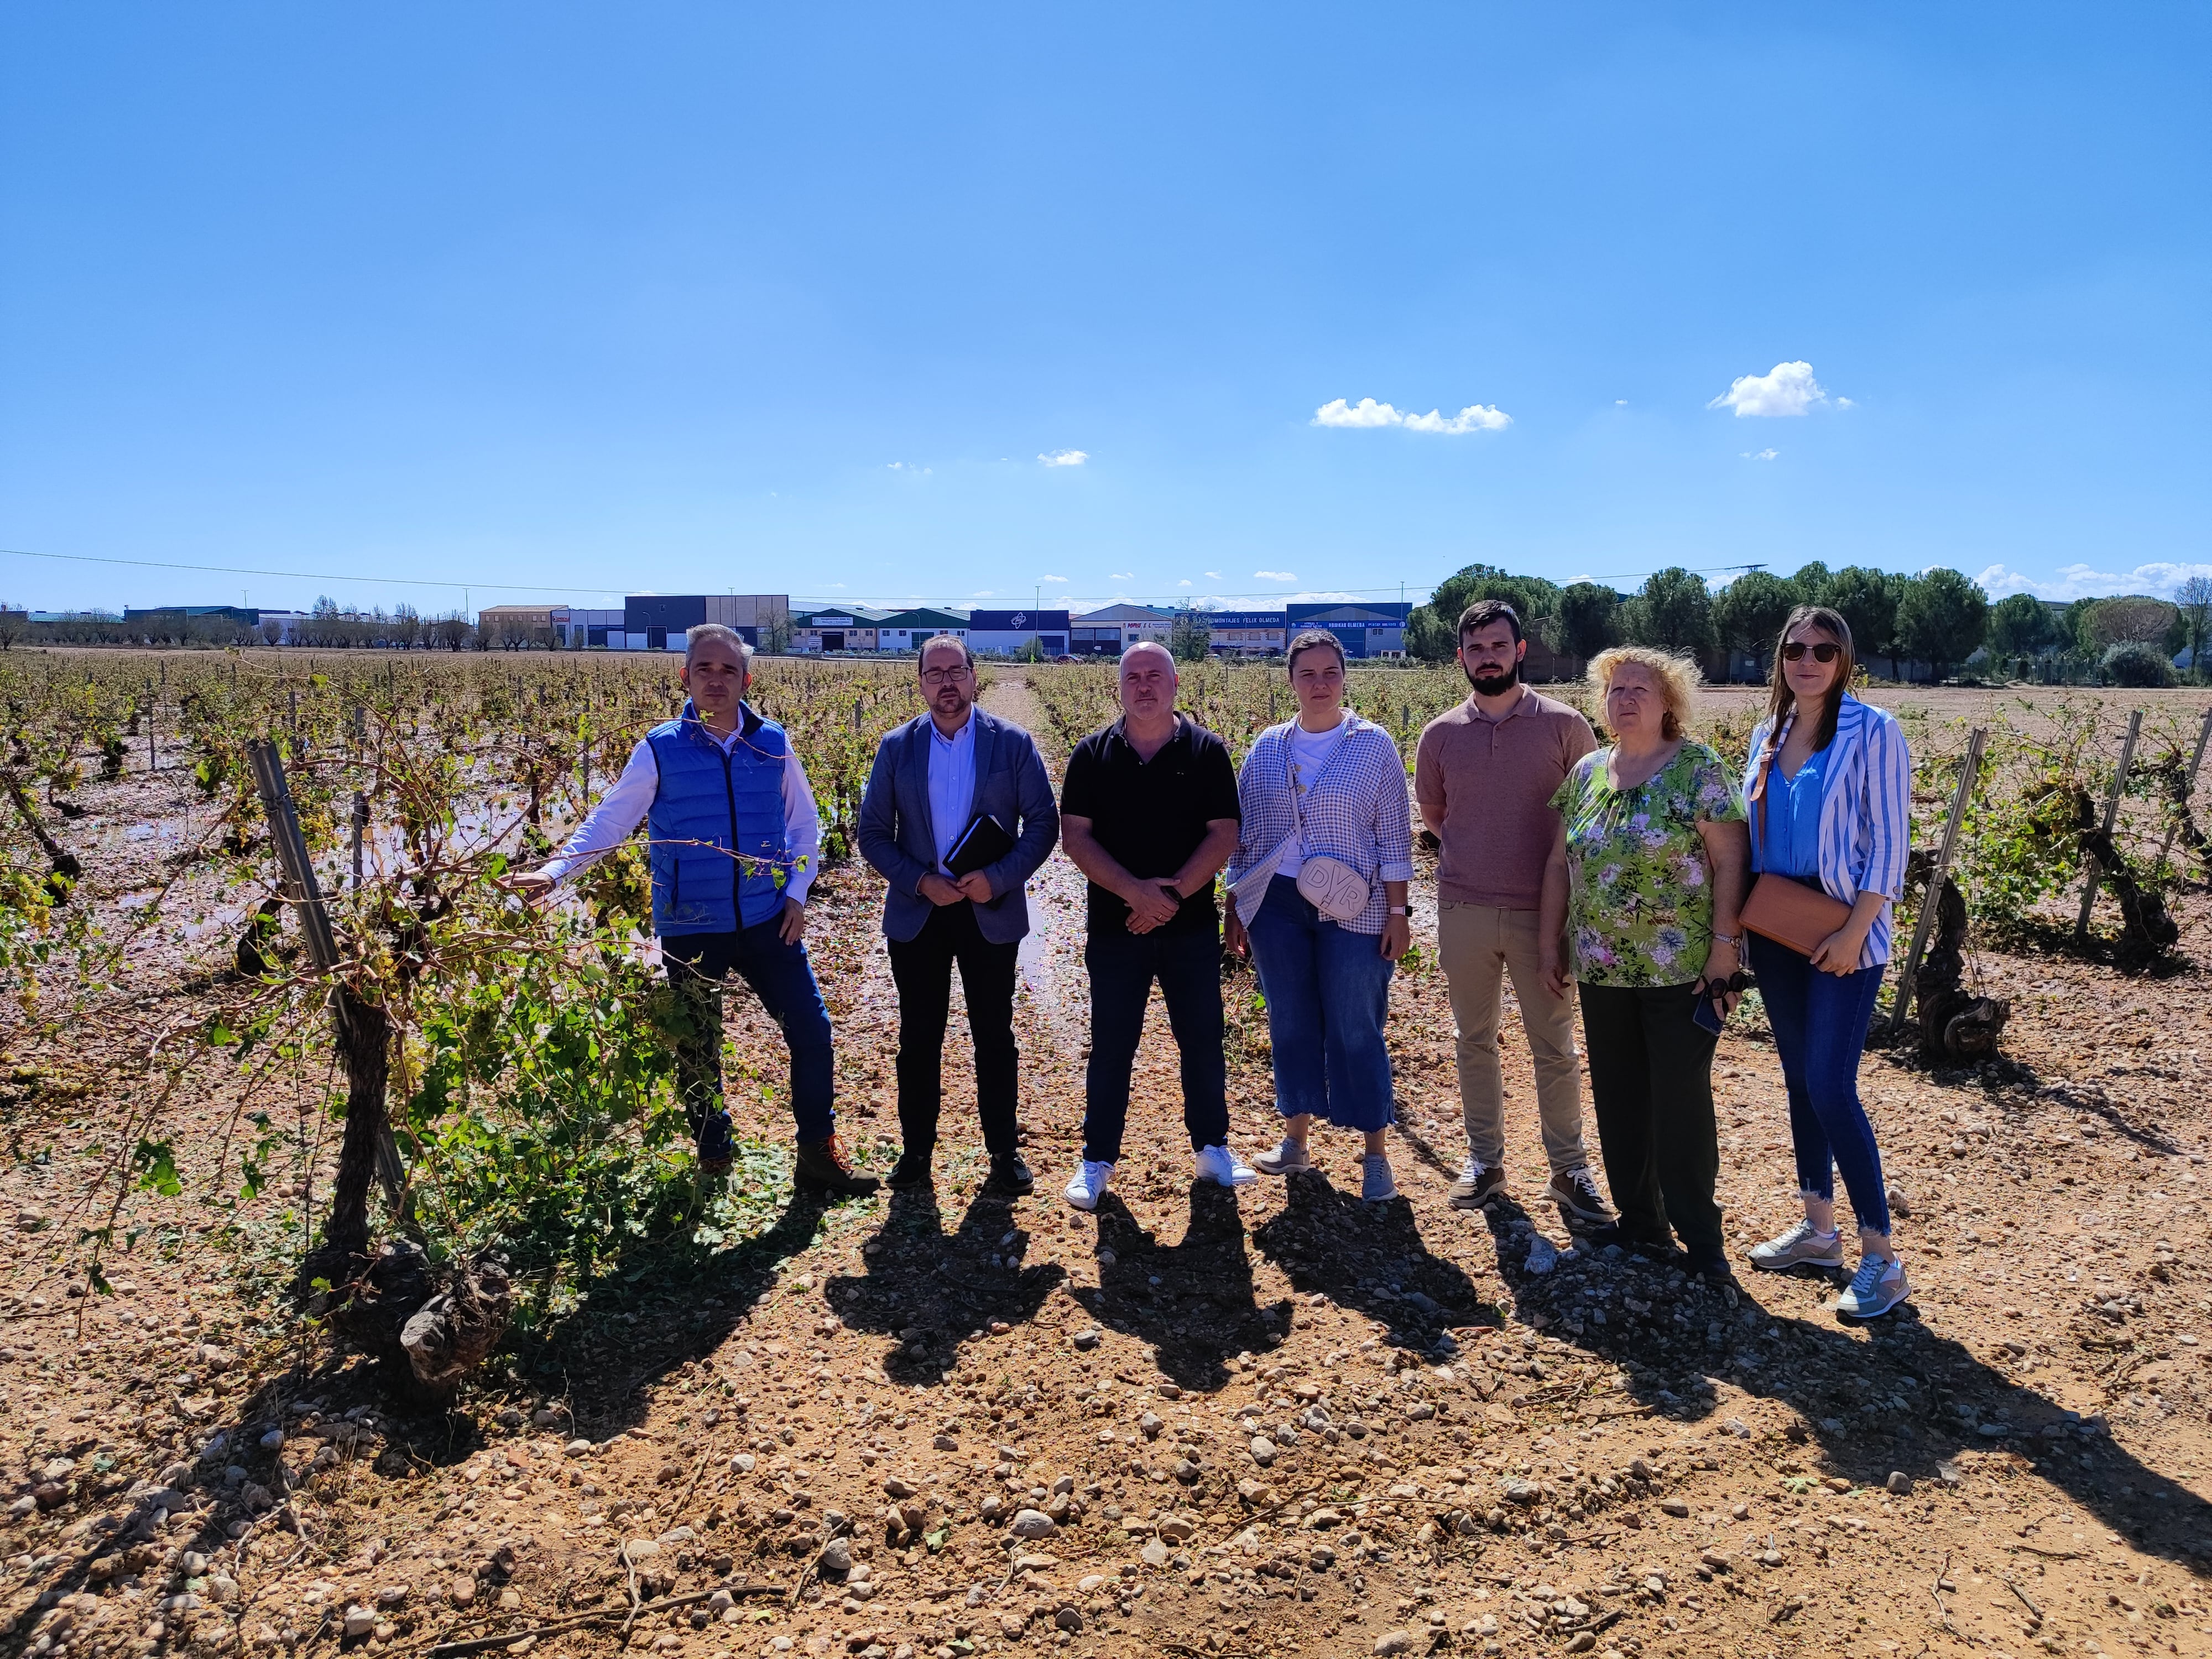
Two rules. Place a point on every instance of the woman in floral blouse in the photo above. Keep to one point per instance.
(1645, 883)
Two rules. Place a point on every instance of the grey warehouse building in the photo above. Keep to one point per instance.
(658, 621)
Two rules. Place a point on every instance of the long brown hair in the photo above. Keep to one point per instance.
(1781, 698)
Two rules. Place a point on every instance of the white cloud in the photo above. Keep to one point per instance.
(1475, 417)
(1120, 575)
(2081, 581)
(910, 469)
(1185, 582)
(1311, 597)
(1760, 454)
(1213, 575)
(982, 594)
(1065, 457)
(1051, 578)
(1786, 389)
(1274, 575)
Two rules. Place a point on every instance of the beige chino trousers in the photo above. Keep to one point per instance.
(1479, 946)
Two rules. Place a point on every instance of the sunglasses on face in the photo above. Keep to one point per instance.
(1823, 652)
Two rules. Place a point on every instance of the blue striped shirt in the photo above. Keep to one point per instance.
(1356, 810)
(1866, 810)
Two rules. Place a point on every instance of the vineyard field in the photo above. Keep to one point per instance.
(716, 1370)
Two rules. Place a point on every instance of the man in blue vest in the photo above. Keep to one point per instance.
(734, 840)
(935, 778)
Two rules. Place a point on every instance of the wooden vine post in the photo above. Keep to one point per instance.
(1902, 1009)
(364, 1030)
(360, 800)
(2112, 818)
(2188, 784)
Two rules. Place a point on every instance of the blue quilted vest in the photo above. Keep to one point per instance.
(710, 804)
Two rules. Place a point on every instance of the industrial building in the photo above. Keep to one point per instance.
(906, 630)
(658, 621)
(1009, 633)
(1110, 631)
(1367, 629)
(853, 627)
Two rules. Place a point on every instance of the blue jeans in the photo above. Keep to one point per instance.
(1328, 991)
(1122, 967)
(1820, 1022)
(783, 977)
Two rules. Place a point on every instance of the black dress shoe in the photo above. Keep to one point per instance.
(1713, 1267)
(823, 1167)
(912, 1169)
(1010, 1176)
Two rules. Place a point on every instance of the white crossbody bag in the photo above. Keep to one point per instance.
(1329, 884)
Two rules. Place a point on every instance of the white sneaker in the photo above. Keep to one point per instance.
(1089, 1185)
(1376, 1184)
(1288, 1159)
(1803, 1246)
(1224, 1168)
(1874, 1289)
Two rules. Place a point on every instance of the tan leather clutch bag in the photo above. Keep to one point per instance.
(1789, 912)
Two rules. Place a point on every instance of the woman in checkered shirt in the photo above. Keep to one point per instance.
(1323, 798)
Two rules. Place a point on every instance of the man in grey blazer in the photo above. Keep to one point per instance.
(933, 777)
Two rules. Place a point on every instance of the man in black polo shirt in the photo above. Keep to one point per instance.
(1149, 812)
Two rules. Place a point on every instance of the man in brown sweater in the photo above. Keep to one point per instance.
(1484, 775)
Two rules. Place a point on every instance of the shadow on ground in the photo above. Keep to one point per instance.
(1192, 1301)
(931, 1290)
(1877, 1397)
(1371, 1259)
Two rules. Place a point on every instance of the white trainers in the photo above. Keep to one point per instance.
(1874, 1289)
(1288, 1159)
(1223, 1168)
(1089, 1185)
(1803, 1246)
(1376, 1184)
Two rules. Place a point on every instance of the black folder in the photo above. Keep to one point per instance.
(981, 844)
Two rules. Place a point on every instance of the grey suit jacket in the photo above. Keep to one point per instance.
(897, 837)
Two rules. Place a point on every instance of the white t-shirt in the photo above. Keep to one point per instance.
(1310, 753)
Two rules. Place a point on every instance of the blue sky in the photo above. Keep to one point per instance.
(809, 300)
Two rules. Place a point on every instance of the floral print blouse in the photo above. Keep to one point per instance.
(1639, 889)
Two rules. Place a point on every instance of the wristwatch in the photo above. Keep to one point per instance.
(1399, 910)
(1734, 941)
(1168, 888)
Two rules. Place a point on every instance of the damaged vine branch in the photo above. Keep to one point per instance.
(430, 1323)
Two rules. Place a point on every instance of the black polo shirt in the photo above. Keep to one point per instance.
(1150, 815)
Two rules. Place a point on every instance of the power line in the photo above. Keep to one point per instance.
(305, 575)
(900, 600)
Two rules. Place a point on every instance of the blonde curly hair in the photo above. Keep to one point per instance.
(1677, 679)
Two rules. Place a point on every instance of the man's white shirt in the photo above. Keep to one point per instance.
(624, 807)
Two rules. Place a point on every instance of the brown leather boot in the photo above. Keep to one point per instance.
(824, 1167)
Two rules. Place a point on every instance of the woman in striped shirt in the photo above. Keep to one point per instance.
(1830, 790)
(1325, 809)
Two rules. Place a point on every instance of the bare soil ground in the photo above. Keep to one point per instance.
(1467, 1447)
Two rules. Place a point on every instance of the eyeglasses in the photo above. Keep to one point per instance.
(942, 676)
(1824, 652)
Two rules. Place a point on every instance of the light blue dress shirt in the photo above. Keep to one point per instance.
(951, 784)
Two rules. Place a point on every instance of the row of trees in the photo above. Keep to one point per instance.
(1938, 617)
(329, 626)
